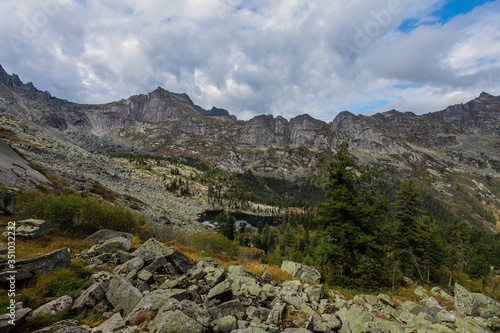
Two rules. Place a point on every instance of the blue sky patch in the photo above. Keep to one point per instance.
(445, 13)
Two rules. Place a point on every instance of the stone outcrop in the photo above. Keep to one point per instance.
(30, 228)
(208, 298)
(46, 262)
(301, 271)
(103, 235)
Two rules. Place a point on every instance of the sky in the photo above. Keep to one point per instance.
(251, 57)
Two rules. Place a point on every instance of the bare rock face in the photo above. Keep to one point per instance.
(7, 203)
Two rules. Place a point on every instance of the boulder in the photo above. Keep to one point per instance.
(30, 228)
(195, 311)
(231, 308)
(464, 301)
(181, 282)
(226, 324)
(153, 300)
(20, 275)
(89, 298)
(301, 271)
(7, 203)
(66, 326)
(18, 317)
(277, 314)
(421, 293)
(221, 291)
(121, 293)
(112, 245)
(178, 294)
(174, 322)
(181, 262)
(46, 262)
(134, 264)
(52, 308)
(468, 324)
(355, 318)
(153, 249)
(296, 330)
(436, 291)
(101, 277)
(110, 325)
(212, 272)
(103, 235)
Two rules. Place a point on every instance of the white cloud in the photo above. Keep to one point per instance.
(254, 56)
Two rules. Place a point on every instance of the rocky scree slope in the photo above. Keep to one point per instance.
(156, 288)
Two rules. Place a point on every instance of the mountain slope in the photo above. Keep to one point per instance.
(451, 148)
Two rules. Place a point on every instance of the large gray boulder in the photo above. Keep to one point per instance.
(111, 325)
(121, 293)
(153, 249)
(231, 308)
(113, 245)
(301, 271)
(52, 308)
(89, 298)
(46, 262)
(30, 228)
(210, 271)
(18, 318)
(153, 300)
(103, 235)
(174, 322)
(221, 291)
(464, 301)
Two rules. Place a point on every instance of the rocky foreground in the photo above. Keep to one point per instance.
(156, 288)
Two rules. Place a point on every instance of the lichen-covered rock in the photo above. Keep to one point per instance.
(101, 277)
(301, 271)
(52, 308)
(355, 318)
(231, 308)
(468, 324)
(121, 293)
(153, 249)
(30, 228)
(111, 325)
(174, 322)
(277, 314)
(152, 300)
(441, 293)
(180, 261)
(221, 291)
(103, 235)
(134, 264)
(46, 262)
(464, 301)
(89, 298)
(226, 324)
(213, 273)
(112, 245)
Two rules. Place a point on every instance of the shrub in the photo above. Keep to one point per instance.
(212, 243)
(79, 212)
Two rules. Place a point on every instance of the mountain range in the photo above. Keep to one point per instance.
(454, 153)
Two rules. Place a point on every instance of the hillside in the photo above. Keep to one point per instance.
(130, 147)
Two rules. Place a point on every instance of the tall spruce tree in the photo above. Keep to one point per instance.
(409, 230)
(225, 223)
(350, 218)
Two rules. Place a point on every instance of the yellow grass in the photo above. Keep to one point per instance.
(26, 247)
